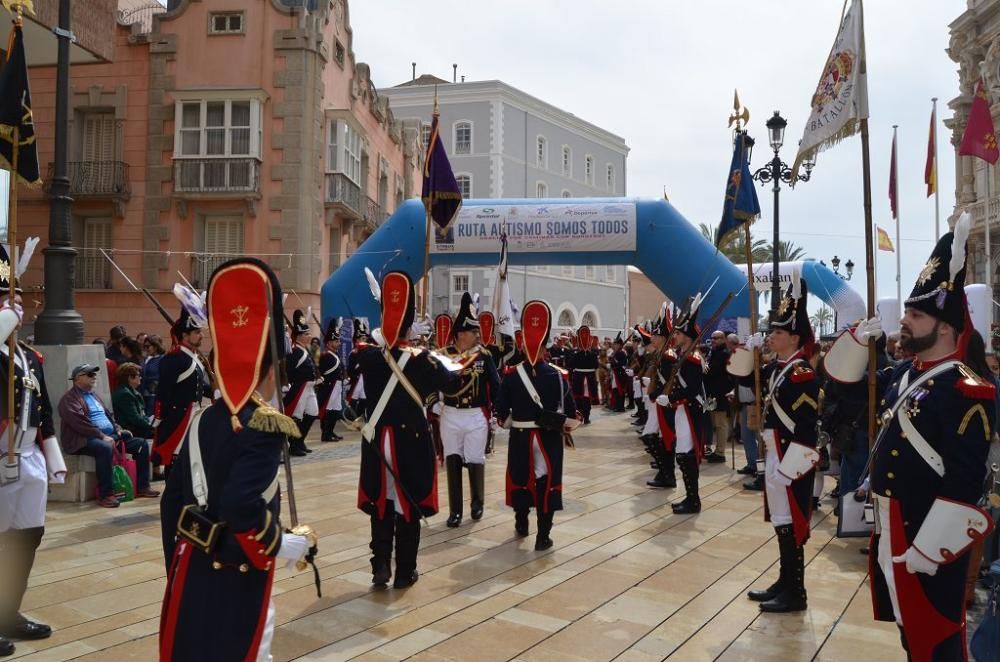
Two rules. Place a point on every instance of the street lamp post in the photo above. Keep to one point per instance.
(835, 263)
(775, 172)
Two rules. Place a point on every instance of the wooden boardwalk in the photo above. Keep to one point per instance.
(626, 580)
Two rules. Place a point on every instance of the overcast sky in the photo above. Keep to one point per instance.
(661, 74)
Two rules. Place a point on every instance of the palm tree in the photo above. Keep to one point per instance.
(821, 318)
(787, 252)
(735, 248)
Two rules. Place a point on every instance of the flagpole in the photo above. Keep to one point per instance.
(895, 177)
(866, 175)
(12, 256)
(937, 193)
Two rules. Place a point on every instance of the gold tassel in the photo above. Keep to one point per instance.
(268, 419)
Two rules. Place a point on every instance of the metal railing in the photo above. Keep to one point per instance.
(216, 175)
(143, 16)
(374, 215)
(342, 191)
(978, 211)
(93, 271)
(95, 178)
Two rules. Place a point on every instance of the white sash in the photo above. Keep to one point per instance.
(199, 483)
(368, 431)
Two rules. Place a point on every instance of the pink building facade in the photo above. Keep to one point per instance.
(212, 132)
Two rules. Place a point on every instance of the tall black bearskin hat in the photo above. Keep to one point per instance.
(466, 319)
(940, 287)
(184, 324)
(618, 339)
(686, 319)
(7, 266)
(792, 315)
(244, 310)
(300, 325)
(360, 330)
(333, 329)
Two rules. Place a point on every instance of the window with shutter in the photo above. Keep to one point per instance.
(223, 240)
(93, 271)
(96, 172)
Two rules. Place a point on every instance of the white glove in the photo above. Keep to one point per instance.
(420, 328)
(867, 330)
(755, 341)
(438, 408)
(916, 562)
(293, 548)
(663, 401)
(629, 373)
(645, 382)
(285, 388)
(17, 309)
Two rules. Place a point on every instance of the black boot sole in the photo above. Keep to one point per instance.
(772, 607)
(543, 544)
(454, 522)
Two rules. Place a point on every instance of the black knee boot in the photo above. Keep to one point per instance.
(304, 426)
(778, 586)
(334, 415)
(407, 544)
(521, 522)
(381, 545)
(793, 592)
(23, 543)
(665, 477)
(453, 465)
(542, 539)
(477, 489)
(689, 471)
(325, 427)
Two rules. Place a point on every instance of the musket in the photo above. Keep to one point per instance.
(694, 345)
(286, 458)
(315, 319)
(149, 295)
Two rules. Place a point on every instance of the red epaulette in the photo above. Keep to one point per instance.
(802, 374)
(509, 370)
(694, 358)
(975, 387)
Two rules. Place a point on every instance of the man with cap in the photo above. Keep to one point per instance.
(300, 399)
(466, 414)
(398, 482)
(680, 404)
(220, 515)
(929, 461)
(617, 364)
(330, 390)
(536, 404)
(37, 460)
(790, 391)
(184, 382)
(582, 364)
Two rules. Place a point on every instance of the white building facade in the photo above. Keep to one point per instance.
(504, 143)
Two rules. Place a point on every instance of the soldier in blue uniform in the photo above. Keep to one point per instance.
(330, 390)
(217, 604)
(582, 364)
(465, 415)
(536, 404)
(617, 364)
(681, 410)
(790, 390)
(184, 382)
(300, 368)
(929, 461)
(398, 483)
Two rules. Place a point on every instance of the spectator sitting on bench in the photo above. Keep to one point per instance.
(128, 404)
(88, 428)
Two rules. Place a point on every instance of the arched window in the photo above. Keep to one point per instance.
(463, 138)
(589, 319)
(566, 319)
(566, 193)
(541, 190)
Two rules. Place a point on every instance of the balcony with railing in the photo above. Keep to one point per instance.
(95, 179)
(977, 211)
(374, 216)
(344, 194)
(217, 176)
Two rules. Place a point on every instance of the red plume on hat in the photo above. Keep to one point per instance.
(583, 337)
(397, 307)
(442, 329)
(536, 322)
(487, 323)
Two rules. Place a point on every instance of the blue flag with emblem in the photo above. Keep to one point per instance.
(15, 112)
(741, 204)
(441, 195)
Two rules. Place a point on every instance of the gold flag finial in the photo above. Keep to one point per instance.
(739, 117)
(665, 193)
(437, 110)
(18, 7)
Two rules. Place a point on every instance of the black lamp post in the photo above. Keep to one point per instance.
(59, 323)
(777, 171)
(835, 263)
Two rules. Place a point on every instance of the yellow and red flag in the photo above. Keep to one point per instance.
(930, 169)
(980, 138)
(884, 242)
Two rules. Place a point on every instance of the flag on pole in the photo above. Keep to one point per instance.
(980, 138)
(930, 168)
(841, 97)
(503, 309)
(884, 242)
(741, 204)
(893, 179)
(15, 112)
(440, 193)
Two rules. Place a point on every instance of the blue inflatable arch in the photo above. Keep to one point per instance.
(670, 251)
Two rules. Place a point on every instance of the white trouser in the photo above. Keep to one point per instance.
(777, 494)
(586, 388)
(884, 558)
(264, 650)
(336, 401)
(683, 431)
(307, 404)
(390, 482)
(22, 502)
(464, 433)
(538, 458)
(818, 483)
(636, 387)
(358, 392)
(652, 425)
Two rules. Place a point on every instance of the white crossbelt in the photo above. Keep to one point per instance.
(584, 369)
(368, 431)
(772, 401)
(199, 483)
